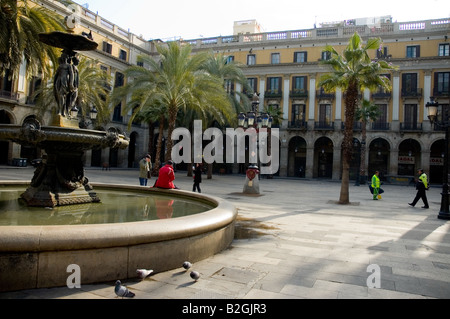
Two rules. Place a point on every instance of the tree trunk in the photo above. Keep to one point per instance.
(155, 171)
(362, 171)
(351, 101)
(172, 119)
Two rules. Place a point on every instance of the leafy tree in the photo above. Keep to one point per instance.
(20, 25)
(177, 80)
(353, 71)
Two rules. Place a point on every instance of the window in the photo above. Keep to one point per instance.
(298, 115)
(230, 58)
(381, 123)
(409, 84)
(410, 121)
(120, 80)
(273, 86)
(444, 49)
(229, 86)
(123, 55)
(442, 84)
(107, 47)
(300, 57)
(325, 115)
(382, 53)
(140, 63)
(326, 55)
(253, 83)
(299, 85)
(251, 59)
(117, 114)
(413, 51)
(275, 58)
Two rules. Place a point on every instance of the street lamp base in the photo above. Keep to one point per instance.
(444, 215)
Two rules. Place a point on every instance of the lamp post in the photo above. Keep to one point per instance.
(256, 120)
(441, 120)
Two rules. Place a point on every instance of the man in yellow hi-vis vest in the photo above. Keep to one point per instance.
(375, 186)
(422, 187)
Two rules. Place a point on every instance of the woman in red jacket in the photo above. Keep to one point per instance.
(166, 176)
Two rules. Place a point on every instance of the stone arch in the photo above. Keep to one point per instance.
(323, 158)
(297, 151)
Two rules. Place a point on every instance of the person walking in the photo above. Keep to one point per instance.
(145, 167)
(375, 186)
(166, 176)
(197, 177)
(422, 187)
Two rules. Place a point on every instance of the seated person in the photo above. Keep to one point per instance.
(166, 176)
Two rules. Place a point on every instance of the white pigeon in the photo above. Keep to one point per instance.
(144, 273)
(187, 265)
(195, 275)
(122, 291)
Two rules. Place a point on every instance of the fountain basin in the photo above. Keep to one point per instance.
(38, 256)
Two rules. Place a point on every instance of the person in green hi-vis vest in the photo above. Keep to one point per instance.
(375, 186)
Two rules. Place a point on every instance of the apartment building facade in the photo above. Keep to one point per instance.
(284, 69)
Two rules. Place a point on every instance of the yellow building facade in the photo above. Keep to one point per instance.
(284, 69)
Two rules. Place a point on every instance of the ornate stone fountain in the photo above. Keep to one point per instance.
(60, 179)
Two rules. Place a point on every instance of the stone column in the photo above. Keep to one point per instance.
(336, 175)
(309, 173)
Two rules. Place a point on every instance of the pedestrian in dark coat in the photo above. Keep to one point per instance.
(197, 177)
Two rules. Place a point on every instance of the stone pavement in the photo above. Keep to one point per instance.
(294, 241)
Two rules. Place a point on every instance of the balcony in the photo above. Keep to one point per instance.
(298, 93)
(411, 93)
(410, 127)
(357, 126)
(324, 126)
(382, 95)
(298, 125)
(382, 126)
(273, 94)
(441, 93)
(9, 95)
(325, 96)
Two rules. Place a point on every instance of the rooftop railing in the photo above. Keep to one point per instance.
(326, 32)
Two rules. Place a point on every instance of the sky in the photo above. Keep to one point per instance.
(193, 19)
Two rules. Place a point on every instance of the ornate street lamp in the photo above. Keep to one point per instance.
(93, 113)
(441, 121)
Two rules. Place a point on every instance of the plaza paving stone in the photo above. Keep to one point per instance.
(293, 241)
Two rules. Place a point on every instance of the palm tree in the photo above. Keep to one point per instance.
(367, 112)
(21, 24)
(177, 80)
(230, 72)
(93, 90)
(353, 71)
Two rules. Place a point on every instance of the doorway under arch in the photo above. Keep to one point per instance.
(297, 157)
(323, 158)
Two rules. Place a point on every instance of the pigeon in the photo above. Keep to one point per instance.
(195, 275)
(122, 291)
(143, 273)
(187, 265)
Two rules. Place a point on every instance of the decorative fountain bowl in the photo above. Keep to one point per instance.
(39, 256)
(59, 180)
